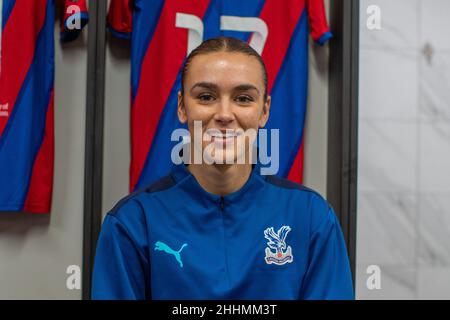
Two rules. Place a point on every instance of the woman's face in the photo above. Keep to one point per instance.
(225, 91)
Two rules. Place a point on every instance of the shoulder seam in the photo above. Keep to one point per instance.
(286, 184)
(162, 184)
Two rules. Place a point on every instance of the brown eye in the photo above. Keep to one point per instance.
(244, 99)
(206, 98)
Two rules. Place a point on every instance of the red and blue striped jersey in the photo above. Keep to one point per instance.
(160, 34)
(26, 99)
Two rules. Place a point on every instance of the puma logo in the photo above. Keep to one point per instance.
(161, 246)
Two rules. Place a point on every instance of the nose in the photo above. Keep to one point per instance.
(224, 115)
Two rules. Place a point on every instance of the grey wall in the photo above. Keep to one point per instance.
(35, 250)
(316, 126)
(117, 123)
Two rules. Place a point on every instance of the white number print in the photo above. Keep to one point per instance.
(244, 24)
(248, 24)
(195, 26)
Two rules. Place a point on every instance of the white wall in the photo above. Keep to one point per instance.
(404, 151)
(35, 250)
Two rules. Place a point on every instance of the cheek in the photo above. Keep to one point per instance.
(249, 118)
(195, 112)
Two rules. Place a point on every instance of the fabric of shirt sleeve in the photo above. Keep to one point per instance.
(318, 24)
(121, 267)
(328, 276)
(120, 18)
(75, 19)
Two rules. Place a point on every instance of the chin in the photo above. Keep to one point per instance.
(223, 156)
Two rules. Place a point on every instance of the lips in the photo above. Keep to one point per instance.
(222, 136)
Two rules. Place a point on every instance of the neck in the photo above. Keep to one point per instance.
(221, 179)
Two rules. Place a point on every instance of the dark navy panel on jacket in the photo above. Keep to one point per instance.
(272, 239)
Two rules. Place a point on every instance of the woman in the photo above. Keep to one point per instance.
(217, 228)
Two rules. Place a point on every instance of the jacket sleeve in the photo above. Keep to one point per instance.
(318, 24)
(121, 268)
(120, 18)
(328, 276)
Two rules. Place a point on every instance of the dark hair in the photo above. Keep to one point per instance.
(224, 44)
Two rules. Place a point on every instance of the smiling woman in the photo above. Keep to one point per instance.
(221, 229)
(224, 86)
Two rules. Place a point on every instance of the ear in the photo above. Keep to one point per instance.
(265, 112)
(181, 110)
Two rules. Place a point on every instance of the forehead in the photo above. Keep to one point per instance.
(225, 69)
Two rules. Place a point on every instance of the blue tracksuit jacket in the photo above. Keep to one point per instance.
(272, 239)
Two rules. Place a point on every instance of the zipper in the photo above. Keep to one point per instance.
(222, 203)
(222, 208)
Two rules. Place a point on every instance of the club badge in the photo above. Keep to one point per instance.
(277, 251)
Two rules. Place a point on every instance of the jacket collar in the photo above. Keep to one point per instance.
(189, 183)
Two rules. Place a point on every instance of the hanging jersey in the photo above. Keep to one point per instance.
(26, 99)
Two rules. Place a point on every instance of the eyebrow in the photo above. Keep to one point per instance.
(215, 87)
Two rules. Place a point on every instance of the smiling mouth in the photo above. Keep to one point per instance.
(223, 136)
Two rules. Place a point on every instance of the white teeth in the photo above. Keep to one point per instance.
(229, 135)
(216, 134)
